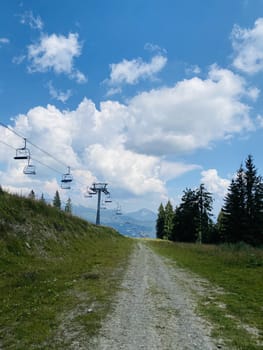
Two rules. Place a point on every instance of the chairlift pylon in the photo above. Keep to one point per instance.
(23, 152)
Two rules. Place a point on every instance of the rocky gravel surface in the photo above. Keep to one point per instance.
(155, 309)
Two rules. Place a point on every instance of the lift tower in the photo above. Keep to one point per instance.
(97, 188)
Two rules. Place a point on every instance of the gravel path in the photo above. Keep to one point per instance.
(155, 309)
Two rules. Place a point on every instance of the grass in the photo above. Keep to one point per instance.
(58, 275)
(236, 313)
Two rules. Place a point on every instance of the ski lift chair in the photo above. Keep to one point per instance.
(66, 180)
(92, 190)
(108, 199)
(22, 153)
(118, 210)
(29, 169)
(89, 193)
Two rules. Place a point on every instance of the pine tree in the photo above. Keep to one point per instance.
(205, 200)
(186, 218)
(192, 218)
(160, 222)
(233, 220)
(32, 195)
(57, 201)
(253, 204)
(68, 206)
(243, 208)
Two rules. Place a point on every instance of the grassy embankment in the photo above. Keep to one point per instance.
(237, 314)
(58, 275)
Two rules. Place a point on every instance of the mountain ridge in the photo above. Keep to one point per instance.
(139, 223)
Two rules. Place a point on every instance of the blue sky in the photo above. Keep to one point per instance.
(149, 96)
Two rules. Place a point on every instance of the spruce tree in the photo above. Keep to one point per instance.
(186, 218)
(253, 204)
(234, 216)
(160, 222)
(57, 201)
(192, 218)
(32, 195)
(205, 200)
(242, 218)
(68, 206)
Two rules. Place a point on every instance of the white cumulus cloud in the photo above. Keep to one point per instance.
(92, 142)
(248, 47)
(191, 115)
(128, 144)
(57, 53)
(214, 183)
(130, 72)
(134, 172)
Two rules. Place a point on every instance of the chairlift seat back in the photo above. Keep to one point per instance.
(22, 153)
(67, 178)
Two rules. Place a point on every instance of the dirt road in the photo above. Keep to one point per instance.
(155, 309)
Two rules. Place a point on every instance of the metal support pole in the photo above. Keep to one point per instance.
(98, 207)
(98, 188)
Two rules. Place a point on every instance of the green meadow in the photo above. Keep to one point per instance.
(236, 311)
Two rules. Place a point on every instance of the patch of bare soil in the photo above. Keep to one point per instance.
(155, 309)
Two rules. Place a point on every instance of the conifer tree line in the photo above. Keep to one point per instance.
(240, 218)
(56, 201)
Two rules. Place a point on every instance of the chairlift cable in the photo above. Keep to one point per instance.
(42, 163)
(13, 131)
(51, 168)
(6, 144)
(34, 145)
(36, 160)
(40, 149)
(47, 153)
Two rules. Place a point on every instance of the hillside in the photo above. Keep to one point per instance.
(54, 270)
(68, 284)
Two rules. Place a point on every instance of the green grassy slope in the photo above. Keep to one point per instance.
(58, 274)
(236, 313)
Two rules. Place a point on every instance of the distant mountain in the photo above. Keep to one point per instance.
(140, 223)
(143, 215)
